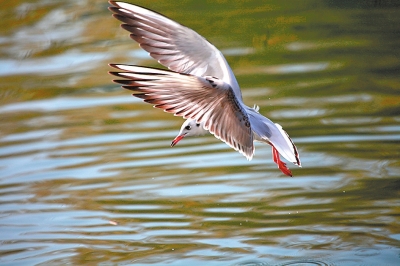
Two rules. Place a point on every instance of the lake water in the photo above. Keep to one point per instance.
(88, 177)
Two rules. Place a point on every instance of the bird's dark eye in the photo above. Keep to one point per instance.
(197, 125)
(188, 128)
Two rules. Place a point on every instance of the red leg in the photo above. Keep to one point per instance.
(281, 165)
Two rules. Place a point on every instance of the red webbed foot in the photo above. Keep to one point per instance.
(281, 165)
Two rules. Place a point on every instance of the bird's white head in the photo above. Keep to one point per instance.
(189, 128)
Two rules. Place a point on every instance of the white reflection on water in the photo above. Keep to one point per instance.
(296, 68)
(287, 68)
(347, 138)
(71, 61)
(34, 134)
(299, 113)
(66, 103)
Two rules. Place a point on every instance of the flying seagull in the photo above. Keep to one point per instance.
(199, 85)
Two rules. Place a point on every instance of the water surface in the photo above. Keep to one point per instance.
(87, 175)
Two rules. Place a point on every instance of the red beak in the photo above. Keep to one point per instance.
(176, 140)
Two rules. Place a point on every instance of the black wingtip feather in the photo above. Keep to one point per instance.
(140, 95)
(114, 65)
(132, 88)
(117, 74)
(123, 81)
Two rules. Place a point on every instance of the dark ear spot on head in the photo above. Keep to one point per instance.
(198, 124)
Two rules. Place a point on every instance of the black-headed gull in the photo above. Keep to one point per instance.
(200, 87)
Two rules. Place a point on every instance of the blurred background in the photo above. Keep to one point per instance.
(87, 174)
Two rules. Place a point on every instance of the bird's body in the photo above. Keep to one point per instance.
(201, 86)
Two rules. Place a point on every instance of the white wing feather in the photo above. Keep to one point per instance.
(205, 99)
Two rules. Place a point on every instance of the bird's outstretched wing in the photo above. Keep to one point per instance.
(175, 46)
(205, 99)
